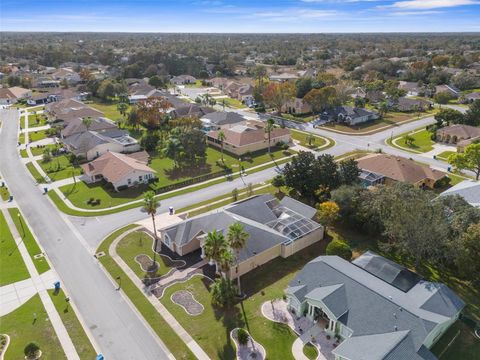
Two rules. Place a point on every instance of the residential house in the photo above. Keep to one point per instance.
(67, 109)
(470, 98)
(248, 137)
(121, 170)
(283, 77)
(66, 74)
(13, 94)
(76, 126)
(412, 88)
(275, 227)
(398, 169)
(378, 309)
(468, 190)
(183, 80)
(92, 144)
(459, 134)
(405, 104)
(296, 106)
(221, 119)
(183, 109)
(450, 89)
(349, 115)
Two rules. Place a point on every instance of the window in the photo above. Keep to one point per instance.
(140, 178)
(129, 181)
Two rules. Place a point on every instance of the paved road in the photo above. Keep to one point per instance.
(115, 326)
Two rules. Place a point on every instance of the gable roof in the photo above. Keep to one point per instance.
(468, 190)
(398, 168)
(115, 166)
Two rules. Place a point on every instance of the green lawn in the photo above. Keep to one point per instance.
(146, 309)
(137, 243)
(262, 284)
(109, 109)
(310, 351)
(32, 120)
(299, 118)
(38, 150)
(21, 138)
(36, 175)
(12, 267)
(391, 119)
(4, 193)
(233, 103)
(445, 155)
(60, 168)
(31, 244)
(465, 346)
(302, 137)
(422, 141)
(22, 328)
(80, 193)
(23, 153)
(37, 135)
(79, 338)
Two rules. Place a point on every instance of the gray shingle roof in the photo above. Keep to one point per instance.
(223, 117)
(469, 190)
(252, 213)
(373, 305)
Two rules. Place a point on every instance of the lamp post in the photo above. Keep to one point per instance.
(119, 278)
(21, 223)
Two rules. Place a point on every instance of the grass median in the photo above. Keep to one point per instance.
(31, 244)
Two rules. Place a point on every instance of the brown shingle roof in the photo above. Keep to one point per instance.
(398, 168)
(460, 131)
(115, 166)
(253, 132)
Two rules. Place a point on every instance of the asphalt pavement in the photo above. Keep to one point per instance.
(117, 329)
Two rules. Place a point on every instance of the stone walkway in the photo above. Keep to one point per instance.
(307, 331)
(47, 302)
(162, 310)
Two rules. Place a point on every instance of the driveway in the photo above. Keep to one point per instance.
(117, 329)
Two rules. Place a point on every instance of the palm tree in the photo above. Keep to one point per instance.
(150, 205)
(87, 121)
(214, 246)
(268, 129)
(223, 292)
(237, 238)
(225, 261)
(122, 108)
(221, 138)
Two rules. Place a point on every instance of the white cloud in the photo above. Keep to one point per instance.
(430, 4)
(415, 13)
(294, 14)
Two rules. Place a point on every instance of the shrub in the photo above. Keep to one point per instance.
(31, 350)
(339, 248)
(122, 187)
(242, 336)
(442, 183)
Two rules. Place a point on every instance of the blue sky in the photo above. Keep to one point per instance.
(221, 16)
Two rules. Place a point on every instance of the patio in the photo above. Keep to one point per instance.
(308, 331)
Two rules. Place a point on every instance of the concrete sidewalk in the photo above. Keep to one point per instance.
(12, 296)
(38, 283)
